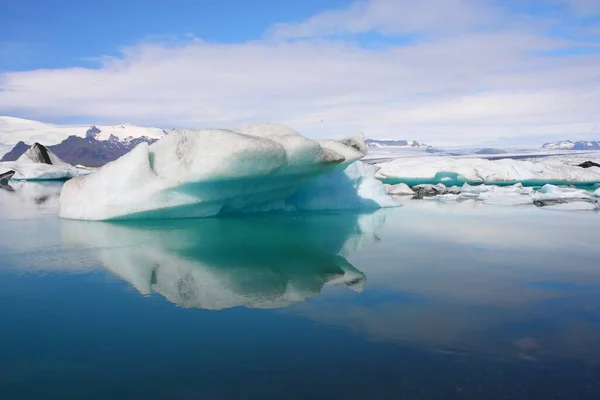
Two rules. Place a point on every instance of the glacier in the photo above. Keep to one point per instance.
(39, 163)
(219, 263)
(208, 172)
(457, 171)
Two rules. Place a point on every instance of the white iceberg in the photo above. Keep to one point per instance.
(39, 163)
(201, 173)
(218, 263)
(597, 192)
(456, 171)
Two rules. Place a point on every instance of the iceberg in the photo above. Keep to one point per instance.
(400, 189)
(39, 163)
(457, 171)
(208, 172)
(218, 263)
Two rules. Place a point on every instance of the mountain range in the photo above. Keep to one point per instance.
(75, 144)
(389, 143)
(570, 145)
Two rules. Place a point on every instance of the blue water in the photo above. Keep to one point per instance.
(426, 301)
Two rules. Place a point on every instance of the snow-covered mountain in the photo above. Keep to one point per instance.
(388, 143)
(14, 130)
(76, 144)
(570, 145)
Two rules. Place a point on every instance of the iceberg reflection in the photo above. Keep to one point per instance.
(259, 262)
(23, 199)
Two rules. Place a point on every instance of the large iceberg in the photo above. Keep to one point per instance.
(201, 173)
(218, 263)
(457, 171)
(39, 163)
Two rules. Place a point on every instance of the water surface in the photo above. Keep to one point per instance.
(426, 301)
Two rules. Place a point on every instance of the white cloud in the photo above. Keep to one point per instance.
(474, 75)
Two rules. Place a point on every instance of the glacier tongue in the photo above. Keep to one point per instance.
(201, 173)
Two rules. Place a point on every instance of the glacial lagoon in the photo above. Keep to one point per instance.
(426, 301)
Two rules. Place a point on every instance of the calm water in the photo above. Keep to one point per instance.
(427, 301)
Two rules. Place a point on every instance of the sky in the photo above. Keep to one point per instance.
(446, 72)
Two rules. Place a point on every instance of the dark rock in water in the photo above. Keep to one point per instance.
(39, 154)
(5, 176)
(16, 152)
(588, 164)
(427, 190)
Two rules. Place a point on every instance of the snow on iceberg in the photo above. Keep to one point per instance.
(218, 263)
(201, 173)
(456, 171)
(39, 163)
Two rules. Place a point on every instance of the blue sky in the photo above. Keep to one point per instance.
(443, 71)
(59, 33)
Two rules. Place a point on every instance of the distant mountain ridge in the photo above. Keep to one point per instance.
(84, 151)
(14, 130)
(87, 145)
(389, 143)
(571, 145)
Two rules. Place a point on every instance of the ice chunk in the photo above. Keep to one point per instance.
(33, 171)
(400, 189)
(200, 173)
(39, 163)
(449, 170)
(597, 192)
(552, 192)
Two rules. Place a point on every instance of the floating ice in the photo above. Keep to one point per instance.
(200, 173)
(218, 263)
(400, 189)
(547, 196)
(39, 163)
(456, 171)
(597, 192)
